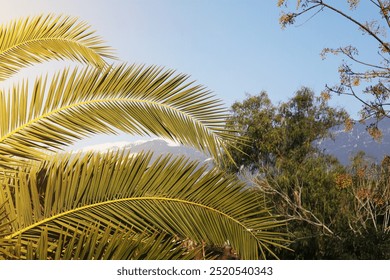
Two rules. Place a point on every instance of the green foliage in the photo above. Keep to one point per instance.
(255, 119)
(281, 136)
(332, 211)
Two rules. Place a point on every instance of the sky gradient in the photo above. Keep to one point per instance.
(231, 47)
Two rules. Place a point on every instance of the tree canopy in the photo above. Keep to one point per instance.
(333, 211)
(281, 133)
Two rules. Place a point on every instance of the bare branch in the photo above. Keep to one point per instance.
(298, 213)
(384, 11)
(362, 26)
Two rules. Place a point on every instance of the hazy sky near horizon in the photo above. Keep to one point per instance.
(231, 47)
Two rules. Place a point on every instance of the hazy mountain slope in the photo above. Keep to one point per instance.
(157, 146)
(344, 145)
(162, 147)
(347, 144)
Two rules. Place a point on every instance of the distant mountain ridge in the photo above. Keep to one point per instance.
(157, 146)
(346, 144)
(343, 146)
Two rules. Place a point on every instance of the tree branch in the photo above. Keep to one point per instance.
(384, 45)
(384, 11)
(300, 213)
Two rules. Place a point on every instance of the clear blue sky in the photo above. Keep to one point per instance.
(231, 47)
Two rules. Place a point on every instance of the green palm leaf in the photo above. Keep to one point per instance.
(133, 99)
(107, 244)
(114, 205)
(67, 195)
(47, 37)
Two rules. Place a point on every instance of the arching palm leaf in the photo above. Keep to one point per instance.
(36, 39)
(133, 99)
(112, 205)
(128, 193)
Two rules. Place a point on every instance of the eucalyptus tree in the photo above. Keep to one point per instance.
(114, 205)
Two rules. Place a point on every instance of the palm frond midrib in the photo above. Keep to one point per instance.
(7, 51)
(120, 200)
(212, 125)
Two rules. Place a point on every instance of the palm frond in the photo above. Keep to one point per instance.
(93, 243)
(33, 40)
(134, 99)
(128, 192)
